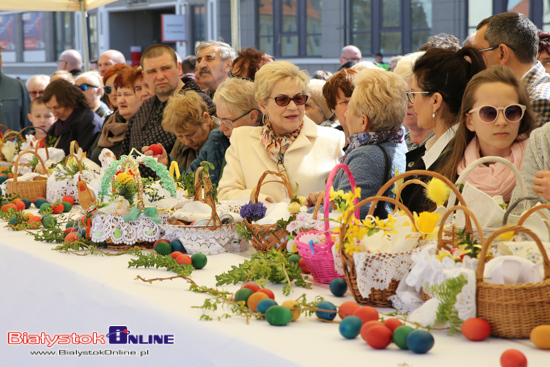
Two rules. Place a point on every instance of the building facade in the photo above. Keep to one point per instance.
(309, 33)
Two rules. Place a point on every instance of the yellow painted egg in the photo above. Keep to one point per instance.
(294, 307)
(540, 336)
(123, 178)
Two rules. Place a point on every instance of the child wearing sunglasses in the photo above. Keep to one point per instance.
(495, 120)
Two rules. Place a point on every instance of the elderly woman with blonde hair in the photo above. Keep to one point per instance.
(376, 143)
(288, 143)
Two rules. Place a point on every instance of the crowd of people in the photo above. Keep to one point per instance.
(438, 109)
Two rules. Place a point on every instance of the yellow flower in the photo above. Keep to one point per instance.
(426, 222)
(443, 254)
(438, 191)
(506, 236)
(302, 200)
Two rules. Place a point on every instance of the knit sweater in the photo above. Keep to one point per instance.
(367, 164)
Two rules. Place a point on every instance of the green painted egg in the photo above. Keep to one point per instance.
(278, 316)
(70, 224)
(44, 207)
(49, 221)
(66, 207)
(243, 294)
(199, 260)
(294, 258)
(27, 203)
(400, 334)
(163, 248)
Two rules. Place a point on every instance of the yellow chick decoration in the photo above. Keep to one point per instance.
(438, 191)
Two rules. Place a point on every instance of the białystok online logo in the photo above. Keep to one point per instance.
(116, 335)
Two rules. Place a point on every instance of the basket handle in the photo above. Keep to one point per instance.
(418, 172)
(129, 161)
(6, 129)
(468, 214)
(513, 206)
(76, 159)
(481, 262)
(74, 147)
(330, 180)
(348, 260)
(12, 134)
(254, 195)
(490, 159)
(16, 164)
(202, 179)
(407, 183)
(528, 213)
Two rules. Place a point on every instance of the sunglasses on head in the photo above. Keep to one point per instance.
(84, 86)
(109, 89)
(489, 114)
(299, 100)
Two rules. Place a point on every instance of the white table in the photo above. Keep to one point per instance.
(47, 291)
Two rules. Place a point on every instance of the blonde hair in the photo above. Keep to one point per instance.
(316, 90)
(270, 74)
(405, 66)
(362, 65)
(381, 96)
(237, 94)
(94, 75)
(183, 112)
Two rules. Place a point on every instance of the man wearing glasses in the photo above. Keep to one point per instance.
(36, 85)
(350, 55)
(511, 39)
(14, 101)
(71, 61)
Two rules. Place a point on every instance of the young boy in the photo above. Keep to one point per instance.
(41, 117)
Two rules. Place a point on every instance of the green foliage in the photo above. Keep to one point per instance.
(151, 191)
(127, 190)
(243, 232)
(472, 248)
(272, 266)
(161, 261)
(187, 181)
(67, 171)
(447, 292)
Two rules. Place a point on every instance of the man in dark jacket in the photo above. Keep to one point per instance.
(14, 101)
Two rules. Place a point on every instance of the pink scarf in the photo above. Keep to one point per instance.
(496, 178)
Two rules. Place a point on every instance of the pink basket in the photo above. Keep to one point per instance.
(318, 256)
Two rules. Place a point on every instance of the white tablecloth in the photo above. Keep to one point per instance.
(47, 291)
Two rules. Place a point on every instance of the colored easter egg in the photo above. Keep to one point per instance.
(378, 336)
(294, 307)
(392, 324)
(70, 224)
(420, 341)
(303, 265)
(156, 149)
(38, 202)
(44, 207)
(267, 291)
(476, 329)
(243, 294)
(176, 254)
(540, 336)
(49, 221)
(338, 287)
(366, 313)
(27, 203)
(199, 260)
(294, 258)
(3, 178)
(278, 316)
(254, 299)
(252, 286)
(400, 334)
(163, 248)
(177, 246)
(513, 358)
(184, 259)
(347, 309)
(350, 327)
(20, 205)
(66, 206)
(72, 237)
(68, 199)
(324, 309)
(265, 304)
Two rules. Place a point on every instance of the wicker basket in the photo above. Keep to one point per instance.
(215, 237)
(318, 257)
(8, 135)
(268, 236)
(377, 297)
(28, 189)
(513, 310)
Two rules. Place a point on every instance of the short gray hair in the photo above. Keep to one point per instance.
(226, 51)
(516, 31)
(37, 79)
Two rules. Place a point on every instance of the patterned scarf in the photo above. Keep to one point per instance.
(373, 138)
(277, 146)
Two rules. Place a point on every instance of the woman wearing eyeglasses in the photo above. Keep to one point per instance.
(116, 125)
(289, 142)
(495, 120)
(91, 84)
(75, 119)
(439, 80)
(110, 88)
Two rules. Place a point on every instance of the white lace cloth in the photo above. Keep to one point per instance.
(377, 270)
(428, 270)
(204, 240)
(113, 227)
(56, 190)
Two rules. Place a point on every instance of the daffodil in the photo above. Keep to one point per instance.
(425, 222)
(506, 236)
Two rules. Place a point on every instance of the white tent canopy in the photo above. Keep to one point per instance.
(51, 5)
(58, 5)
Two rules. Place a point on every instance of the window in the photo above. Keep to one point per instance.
(290, 28)
(391, 27)
(64, 32)
(198, 26)
(92, 36)
(477, 11)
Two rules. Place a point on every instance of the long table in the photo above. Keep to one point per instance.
(48, 293)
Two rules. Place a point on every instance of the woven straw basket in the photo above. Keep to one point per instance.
(28, 189)
(513, 310)
(377, 297)
(268, 236)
